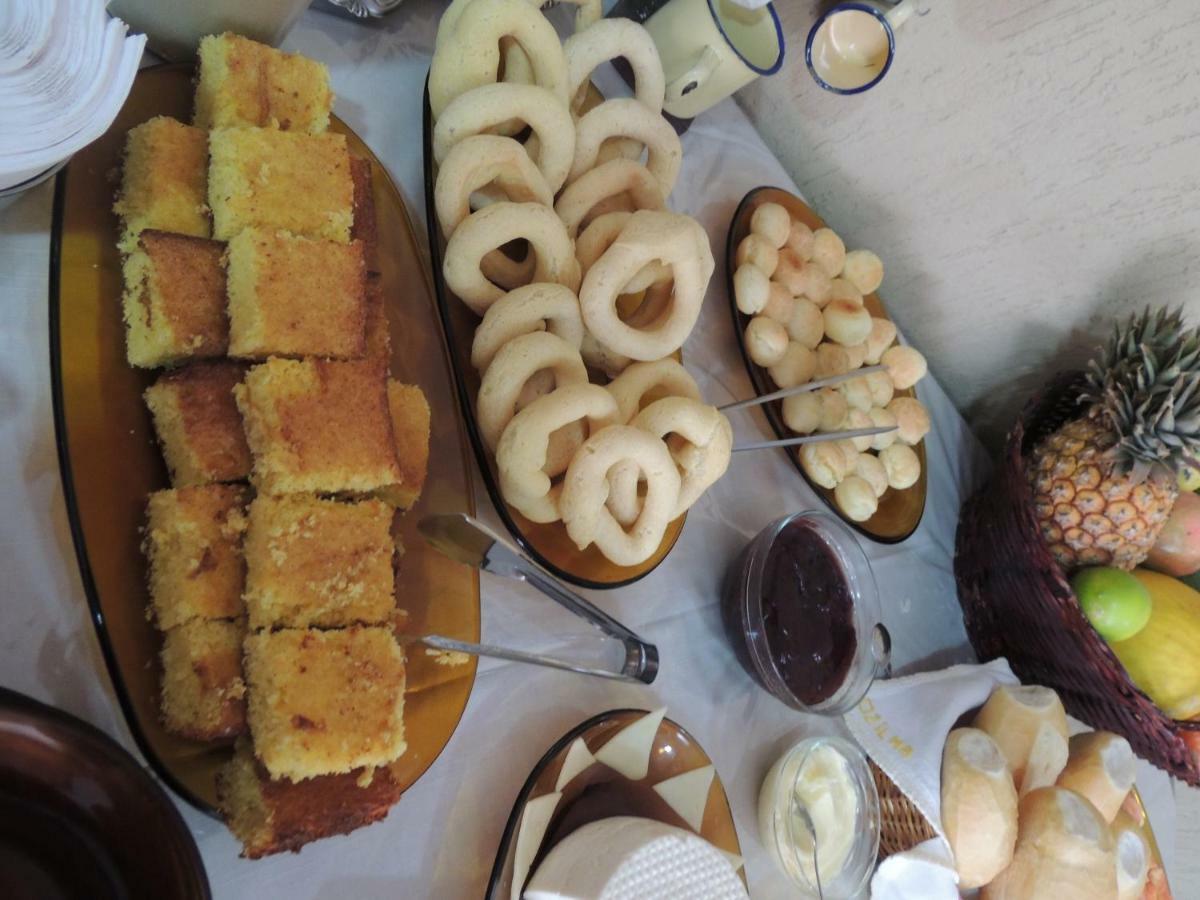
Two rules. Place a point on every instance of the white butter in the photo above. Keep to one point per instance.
(629, 858)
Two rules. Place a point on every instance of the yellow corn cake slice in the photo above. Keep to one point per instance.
(203, 694)
(198, 424)
(315, 562)
(263, 178)
(410, 425)
(174, 300)
(245, 83)
(163, 181)
(193, 541)
(318, 426)
(293, 296)
(324, 702)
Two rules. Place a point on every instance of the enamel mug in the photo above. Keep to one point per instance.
(711, 48)
(851, 46)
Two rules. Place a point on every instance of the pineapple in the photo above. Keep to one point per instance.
(1104, 484)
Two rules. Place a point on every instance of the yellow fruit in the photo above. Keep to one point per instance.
(1162, 658)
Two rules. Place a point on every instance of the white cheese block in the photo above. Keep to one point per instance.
(535, 819)
(687, 794)
(628, 751)
(629, 858)
(579, 759)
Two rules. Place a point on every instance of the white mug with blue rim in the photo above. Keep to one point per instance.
(711, 48)
(851, 45)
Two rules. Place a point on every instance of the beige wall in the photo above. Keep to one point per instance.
(1027, 168)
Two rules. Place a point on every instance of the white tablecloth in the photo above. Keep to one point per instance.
(441, 839)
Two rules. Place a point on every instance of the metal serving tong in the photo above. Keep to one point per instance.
(469, 541)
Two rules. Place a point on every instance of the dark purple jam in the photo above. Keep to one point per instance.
(808, 614)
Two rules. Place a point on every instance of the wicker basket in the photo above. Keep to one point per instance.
(901, 824)
(1018, 604)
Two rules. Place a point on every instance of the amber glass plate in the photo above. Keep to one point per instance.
(547, 544)
(600, 792)
(899, 512)
(109, 460)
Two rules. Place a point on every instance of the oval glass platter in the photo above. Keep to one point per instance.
(899, 512)
(570, 787)
(547, 544)
(109, 461)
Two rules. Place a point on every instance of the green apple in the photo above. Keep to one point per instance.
(1116, 603)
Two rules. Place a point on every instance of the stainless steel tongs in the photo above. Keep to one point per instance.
(469, 541)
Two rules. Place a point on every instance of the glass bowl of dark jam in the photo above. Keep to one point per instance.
(801, 609)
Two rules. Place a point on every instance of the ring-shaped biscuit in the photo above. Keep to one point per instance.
(486, 107)
(579, 203)
(623, 501)
(611, 39)
(599, 236)
(523, 450)
(516, 362)
(585, 489)
(532, 308)
(469, 57)
(709, 442)
(477, 162)
(565, 441)
(491, 228)
(625, 117)
(676, 240)
(643, 383)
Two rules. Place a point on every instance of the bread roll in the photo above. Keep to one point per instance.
(1133, 858)
(979, 806)
(1101, 767)
(1020, 719)
(1064, 851)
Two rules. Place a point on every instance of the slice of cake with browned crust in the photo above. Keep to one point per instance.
(193, 541)
(293, 296)
(198, 424)
(203, 694)
(364, 228)
(163, 181)
(378, 333)
(410, 425)
(277, 815)
(245, 83)
(174, 300)
(318, 426)
(325, 702)
(314, 562)
(263, 178)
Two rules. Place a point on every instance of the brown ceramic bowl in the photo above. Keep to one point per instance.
(79, 817)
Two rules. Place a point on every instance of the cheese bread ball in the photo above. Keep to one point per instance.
(828, 251)
(815, 284)
(750, 289)
(905, 365)
(802, 412)
(756, 250)
(864, 270)
(806, 325)
(881, 388)
(794, 367)
(833, 409)
(780, 304)
(800, 240)
(882, 418)
(857, 392)
(856, 418)
(831, 360)
(870, 469)
(824, 463)
(856, 498)
(841, 289)
(766, 341)
(789, 272)
(772, 222)
(883, 333)
(856, 353)
(902, 466)
(846, 322)
(912, 419)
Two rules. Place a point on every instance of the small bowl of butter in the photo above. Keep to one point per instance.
(821, 787)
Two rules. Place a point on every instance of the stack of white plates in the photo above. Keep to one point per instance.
(66, 68)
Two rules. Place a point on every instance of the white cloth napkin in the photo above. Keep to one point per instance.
(902, 726)
(66, 68)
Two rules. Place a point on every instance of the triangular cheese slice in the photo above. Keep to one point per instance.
(687, 794)
(628, 751)
(534, 821)
(734, 860)
(579, 758)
